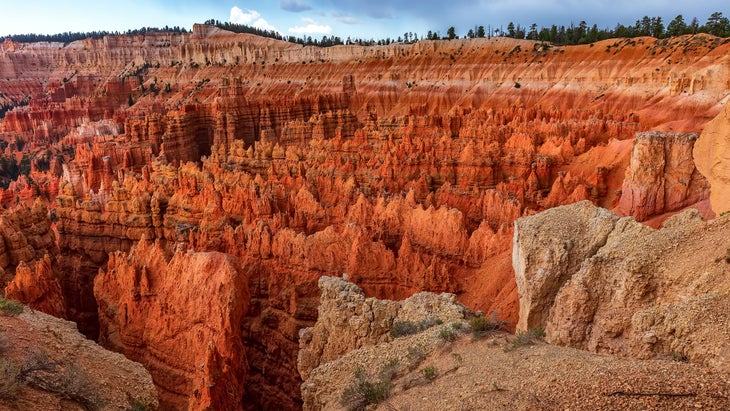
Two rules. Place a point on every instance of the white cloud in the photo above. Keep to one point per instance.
(312, 27)
(264, 25)
(239, 16)
(250, 18)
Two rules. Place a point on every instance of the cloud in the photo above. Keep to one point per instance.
(347, 19)
(312, 27)
(250, 18)
(294, 5)
(239, 16)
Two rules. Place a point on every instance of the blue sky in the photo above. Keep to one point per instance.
(358, 18)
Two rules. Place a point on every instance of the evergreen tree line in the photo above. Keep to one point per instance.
(716, 24)
(69, 37)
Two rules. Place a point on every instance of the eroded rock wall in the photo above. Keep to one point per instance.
(711, 154)
(404, 166)
(180, 316)
(637, 292)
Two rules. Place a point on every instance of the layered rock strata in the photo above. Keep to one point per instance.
(403, 165)
(181, 317)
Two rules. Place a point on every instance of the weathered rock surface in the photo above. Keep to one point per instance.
(181, 318)
(426, 371)
(634, 291)
(404, 166)
(661, 176)
(347, 320)
(712, 156)
(62, 370)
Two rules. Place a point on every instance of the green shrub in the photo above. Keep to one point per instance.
(10, 307)
(137, 405)
(430, 373)
(457, 326)
(678, 356)
(403, 328)
(481, 326)
(415, 357)
(448, 334)
(364, 392)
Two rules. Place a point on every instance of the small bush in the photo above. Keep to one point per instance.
(678, 356)
(9, 379)
(430, 373)
(365, 392)
(457, 326)
(481, 326)
(448, 334)
(10, 307)
(524, 338)
(415, 357)
(137, 405)
(403, 328)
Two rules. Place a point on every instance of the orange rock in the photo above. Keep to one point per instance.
(405, 170)
(180, 318)
(711, 154)
(38, 289)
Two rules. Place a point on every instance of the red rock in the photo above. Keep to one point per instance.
(180, 318)
(405, 170)
(38, 289)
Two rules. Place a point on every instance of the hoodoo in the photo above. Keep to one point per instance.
(180, 195)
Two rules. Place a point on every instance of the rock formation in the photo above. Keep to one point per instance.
(439, 369)
(610, 285)
(48, 365)
(180, 317)
(404, 166)
(661, 176)
(347, 320)
(711, 154)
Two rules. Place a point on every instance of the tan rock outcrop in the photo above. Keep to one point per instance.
(633, 291)
(712, 156)
(347, 320)
(63, 370)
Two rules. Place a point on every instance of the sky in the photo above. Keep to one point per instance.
(357, 18)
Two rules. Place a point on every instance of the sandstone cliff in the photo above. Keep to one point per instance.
(610, 285)
(180, 317)
(711, 156)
